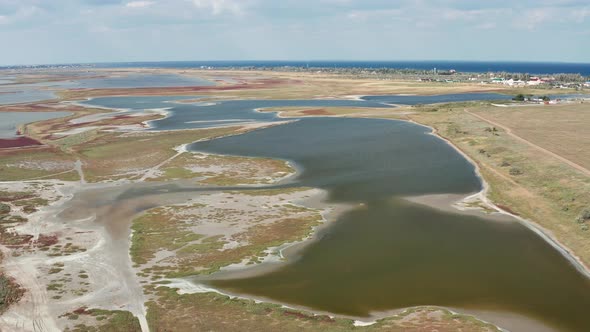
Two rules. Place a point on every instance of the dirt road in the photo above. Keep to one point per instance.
(512, 134)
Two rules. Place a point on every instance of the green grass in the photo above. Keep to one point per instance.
(153, 231)
(30, 164)
(106, 321)
(175, 312)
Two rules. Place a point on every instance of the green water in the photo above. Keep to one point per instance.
(389, 253)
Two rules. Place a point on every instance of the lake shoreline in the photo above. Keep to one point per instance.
(482, 196)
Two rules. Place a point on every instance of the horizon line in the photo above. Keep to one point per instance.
(295, 61)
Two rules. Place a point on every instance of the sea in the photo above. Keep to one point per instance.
(541, 68)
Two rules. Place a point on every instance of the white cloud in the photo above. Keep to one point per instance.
(486, 26)
(536, 17)
(580, 15)
(220, 6)
(372, 14)
(139, 4)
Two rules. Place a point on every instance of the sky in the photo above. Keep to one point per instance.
(85, 31)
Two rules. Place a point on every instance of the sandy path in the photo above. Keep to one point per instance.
(78, 168)
(152, 172)
(35, 314)
(509, 132)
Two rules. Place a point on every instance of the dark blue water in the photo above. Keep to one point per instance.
(461, 66)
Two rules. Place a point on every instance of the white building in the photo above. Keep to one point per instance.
(512, 82)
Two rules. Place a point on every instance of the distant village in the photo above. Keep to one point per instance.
(534, 81)
(556, 81)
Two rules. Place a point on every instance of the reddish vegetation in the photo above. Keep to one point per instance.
(16, 197)
(318, 111)
(18, 142)
(11, 292)
(31, 107)
(14, 240)
(188, 90)
(81, 311)
(46, 240)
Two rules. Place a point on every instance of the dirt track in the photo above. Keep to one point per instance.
(509, 132)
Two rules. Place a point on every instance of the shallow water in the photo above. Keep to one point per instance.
(24, 93)
(209, 114)
(231, 112)
(9, 121)
(142, 81)
(388, 253)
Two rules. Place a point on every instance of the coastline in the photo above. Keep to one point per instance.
(184, 286)
(544, 233)
(482, 195)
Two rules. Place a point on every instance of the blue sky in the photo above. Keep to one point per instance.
(62, 31)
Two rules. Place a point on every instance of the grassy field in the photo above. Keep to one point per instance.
(224, 170)
(98, 320)
(562, 129)
(37, 162)
(523, 179)
(117, 156)
(318, 85)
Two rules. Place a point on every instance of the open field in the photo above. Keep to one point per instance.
(113, 156)
(523, 179)
(561, 129)
(36, 163)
